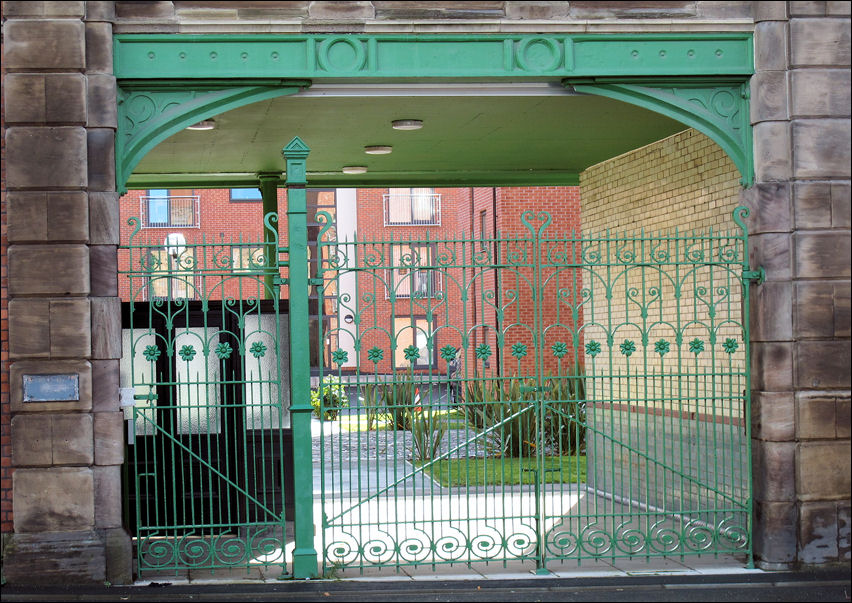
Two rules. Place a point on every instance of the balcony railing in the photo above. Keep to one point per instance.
(416, 209)
(170, 212)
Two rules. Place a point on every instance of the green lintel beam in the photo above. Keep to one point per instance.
(420, 56)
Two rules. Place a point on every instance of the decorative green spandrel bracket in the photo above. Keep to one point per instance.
(718, 109)
(149, 112)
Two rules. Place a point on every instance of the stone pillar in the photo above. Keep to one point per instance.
(64, 311)
(800, 316)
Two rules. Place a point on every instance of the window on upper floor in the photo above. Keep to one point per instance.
(412, 207)
(241, 195)
(412, 274)
(161, 209)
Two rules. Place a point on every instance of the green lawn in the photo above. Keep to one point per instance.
(506, 471)
(353, 422)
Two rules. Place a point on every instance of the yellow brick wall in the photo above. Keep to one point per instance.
(684, 184)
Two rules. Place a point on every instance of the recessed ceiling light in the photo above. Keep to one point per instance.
(207, 124)
(355, 169)
(378, 150)
(407, 124)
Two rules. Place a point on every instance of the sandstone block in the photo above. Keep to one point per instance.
(82, 368)
(820, 92)
(109, 438)
(772, 151)
(822, 255)
(773, 416)
(812, 204)
(823, 470)
(821, 148)
(774, 475)
(70, 328)
(100, 11)
(104, 218)
(537, 10)
(72, 439)
(29, 328)
(772, 252)
(775, 531)
(56, 558)
(106, 327)
(98, 48)
(41, 158)
(815, 417)
(108, 496)
(822, 309)
(823, 364)
(844, 531)
(101, 159)
(68, 266)
(838, 8)
(818, 532)
(48, 216)
(844, 417)
(105, 384)
(104, 270)
(772, 366)
(770, 45)
(43, 9)
(439, 10)
(341, 10)
(769, 96)
(771, 311)
(31, 442)
(770, 203)
(144, 10)
(119, 555)
(103, 108)
(44, 44)
(45, 98)
(841, 204)
(820, 42)
(53, 500)
(27, 216)
(770, 11)
(807, 8)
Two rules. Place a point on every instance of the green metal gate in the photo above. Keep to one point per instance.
(532, 396)
(207, 390)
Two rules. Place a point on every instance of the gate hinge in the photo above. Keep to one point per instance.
(278, 280)
(316, 282)
(758, 276)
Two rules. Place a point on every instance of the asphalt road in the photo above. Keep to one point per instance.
(821, 585)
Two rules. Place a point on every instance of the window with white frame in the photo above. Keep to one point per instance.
(412, 207)
(416, 331)
(412, 274)
(247, 259)
(171, 276)
(163, 210)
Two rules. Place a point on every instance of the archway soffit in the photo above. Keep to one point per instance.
(168, 82)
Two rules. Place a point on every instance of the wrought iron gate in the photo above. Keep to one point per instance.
(204, 356)
(532, 396)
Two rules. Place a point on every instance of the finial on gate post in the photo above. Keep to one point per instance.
(295, 154)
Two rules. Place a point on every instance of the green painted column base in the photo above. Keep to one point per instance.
(304, 564)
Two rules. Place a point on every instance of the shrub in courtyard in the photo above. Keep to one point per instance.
(329, 399)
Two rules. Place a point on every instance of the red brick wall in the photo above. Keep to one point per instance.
(5, 415)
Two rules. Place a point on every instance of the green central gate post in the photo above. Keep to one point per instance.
(304, 555)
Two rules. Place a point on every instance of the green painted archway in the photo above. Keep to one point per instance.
(169, 82)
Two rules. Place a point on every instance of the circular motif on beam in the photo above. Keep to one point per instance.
(341, 54)
(538, 54)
